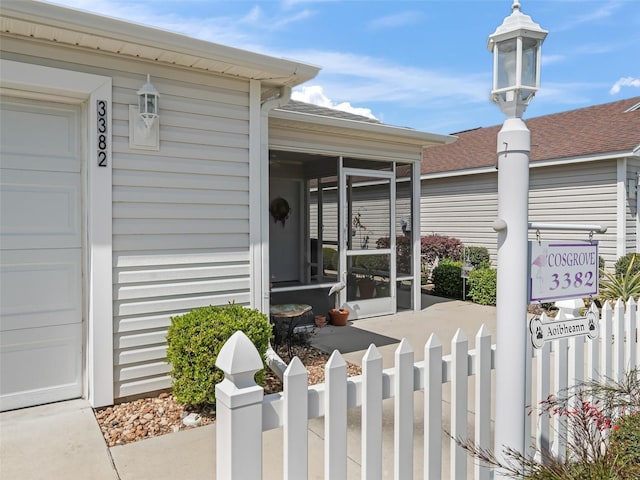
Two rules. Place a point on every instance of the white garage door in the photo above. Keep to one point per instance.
(41, 333)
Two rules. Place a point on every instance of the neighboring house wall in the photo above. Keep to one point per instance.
(465, 207)
(581, 193)
(180, 215)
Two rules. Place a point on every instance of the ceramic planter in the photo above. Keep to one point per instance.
(339, 316)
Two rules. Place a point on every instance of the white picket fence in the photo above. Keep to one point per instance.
(244, 412)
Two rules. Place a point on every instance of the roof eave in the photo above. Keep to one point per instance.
(534, 164)
(407, 134)
(46, 20)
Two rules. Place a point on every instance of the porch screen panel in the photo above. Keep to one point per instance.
(403, 230)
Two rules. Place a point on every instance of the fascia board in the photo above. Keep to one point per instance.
(406, 135)
(264, 67)
(536, 164)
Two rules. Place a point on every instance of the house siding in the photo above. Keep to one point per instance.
(465, 207)
(577, 194)
(461, 207)
(180, 214)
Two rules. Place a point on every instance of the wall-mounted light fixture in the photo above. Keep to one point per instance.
(144, 131)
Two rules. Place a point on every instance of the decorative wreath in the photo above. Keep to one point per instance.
(279, 209)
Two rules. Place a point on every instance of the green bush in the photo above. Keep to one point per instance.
(329, 258)
(622, 265)
(446, 279)
(482, 286)
(625, 443)
(194, 341)
(478, 257)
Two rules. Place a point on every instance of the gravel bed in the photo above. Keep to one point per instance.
(153, 416)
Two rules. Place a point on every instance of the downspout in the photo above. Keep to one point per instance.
(281, 98)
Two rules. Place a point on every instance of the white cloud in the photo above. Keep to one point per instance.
(601, 12)
(314, 94)
(246, 29)
(397, 20)
(551, 59)
(364, 79)
(624, 82)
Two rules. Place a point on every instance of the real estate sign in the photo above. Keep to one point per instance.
(559, 270)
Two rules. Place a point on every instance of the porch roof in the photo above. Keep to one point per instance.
(330, 121)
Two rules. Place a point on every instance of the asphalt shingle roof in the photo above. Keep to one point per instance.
(302, 107)
(600, 129)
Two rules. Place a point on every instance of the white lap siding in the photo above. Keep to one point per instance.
(180, 214)
(465, 207)
(180, 221)
(581, 193)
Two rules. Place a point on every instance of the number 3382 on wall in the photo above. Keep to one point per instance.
(559, 270)
(101, 131)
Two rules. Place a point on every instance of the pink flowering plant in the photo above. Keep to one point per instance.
(603, 439)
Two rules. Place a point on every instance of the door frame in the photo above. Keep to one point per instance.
(40, 82)
(374, 306)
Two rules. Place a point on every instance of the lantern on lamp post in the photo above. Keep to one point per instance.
(516, 78)
(516, 46)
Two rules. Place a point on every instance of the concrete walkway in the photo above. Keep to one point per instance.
(62, 441)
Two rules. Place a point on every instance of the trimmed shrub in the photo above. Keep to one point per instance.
(622, 265)
(478, 257)
(482, 286)
(446, 279)
(441, 247)
(329, 258)
(194, 341)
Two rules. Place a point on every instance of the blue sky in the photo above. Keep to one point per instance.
(422, 64)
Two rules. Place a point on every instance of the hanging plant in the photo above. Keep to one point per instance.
(280, 210)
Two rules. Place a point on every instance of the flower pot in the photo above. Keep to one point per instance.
(366, 287)
(321, 320)
(339, 316)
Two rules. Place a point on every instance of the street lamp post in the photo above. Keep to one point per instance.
(516, 77)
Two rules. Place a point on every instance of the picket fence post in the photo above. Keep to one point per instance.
(433, 408)
(372, 414)
(560, 364)
(239, 411)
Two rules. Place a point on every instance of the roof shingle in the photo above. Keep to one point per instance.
(311, 109)
(600, 129)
